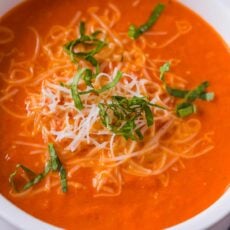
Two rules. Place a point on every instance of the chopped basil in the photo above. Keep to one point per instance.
(63, 177)
(37, 178)
(74, 89)
(127, 130)
(54, 164)
(134, 32)
(186, 107)
(207, 96)
(121, 115)
(28, 172)
(197, 92)
(176, 92)
(163, 69)
(53, 157)
(148, 115)
(87, 41)
(111, 84)
(88, 76)
(76, 94)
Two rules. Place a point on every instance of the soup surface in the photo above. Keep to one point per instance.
(31, 51)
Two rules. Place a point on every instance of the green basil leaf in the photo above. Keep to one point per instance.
(148, 116)
(63, 176)
(185, 109)
(28, 172)
(74, 89)
(163, 69)
(134, 32)
(207, 96)
(176, 92)
(53, 157)
(121, 114)
(54, 164)
(195, 93)
(139, 134)
(38, 178)
(127, 130)
(111, 84)
(82, 29)
(88, 76)
(85, 40)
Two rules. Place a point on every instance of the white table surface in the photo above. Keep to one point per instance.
(222, 225)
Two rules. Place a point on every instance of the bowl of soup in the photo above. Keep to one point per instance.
(114, 114)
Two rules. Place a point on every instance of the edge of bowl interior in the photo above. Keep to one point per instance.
(18, 219)
(209, 217)
(216, 15)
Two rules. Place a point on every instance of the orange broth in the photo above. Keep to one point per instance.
(144, 203)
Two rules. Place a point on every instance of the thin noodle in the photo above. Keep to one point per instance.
(7, 35)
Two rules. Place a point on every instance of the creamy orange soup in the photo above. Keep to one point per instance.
(170, 179)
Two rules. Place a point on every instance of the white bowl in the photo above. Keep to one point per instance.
(217, 13)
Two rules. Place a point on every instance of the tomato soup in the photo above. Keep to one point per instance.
(173, 167)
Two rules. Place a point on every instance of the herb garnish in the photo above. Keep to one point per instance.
(186, 107)
(122, 114)
(86, 41)
(134, 32)
(86, 74)
(111, 84)
(76, 94)
(163, 69)
(54, 164)
(74, 89)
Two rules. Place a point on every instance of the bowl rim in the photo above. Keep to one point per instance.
(208, 217)
(218, 16)
(19, 219)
